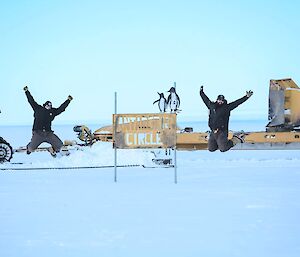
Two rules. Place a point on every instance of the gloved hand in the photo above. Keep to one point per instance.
(25, 88)
(249, 93)
(70, 98)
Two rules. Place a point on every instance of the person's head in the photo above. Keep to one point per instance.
(220, 99)
(172, 90)
(47, 105)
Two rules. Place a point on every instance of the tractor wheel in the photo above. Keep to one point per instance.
(6, 152)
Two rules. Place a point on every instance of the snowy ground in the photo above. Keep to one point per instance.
(238, 203)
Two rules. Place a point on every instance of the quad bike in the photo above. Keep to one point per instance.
(6, 151)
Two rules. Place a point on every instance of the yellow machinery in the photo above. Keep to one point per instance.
(281, 131)
(284, 105)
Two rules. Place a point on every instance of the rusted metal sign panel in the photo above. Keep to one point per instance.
(284, 108)
(146, 130)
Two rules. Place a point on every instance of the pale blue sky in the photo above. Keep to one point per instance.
(90, 49)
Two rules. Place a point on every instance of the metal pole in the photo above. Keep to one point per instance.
(175, 152)
(115, 127)
(175, 165)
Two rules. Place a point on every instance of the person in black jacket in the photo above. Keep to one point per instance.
(43, 117)
(219, 112)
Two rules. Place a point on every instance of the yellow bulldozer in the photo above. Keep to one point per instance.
(152, 130)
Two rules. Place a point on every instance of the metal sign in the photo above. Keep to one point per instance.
(146, 130)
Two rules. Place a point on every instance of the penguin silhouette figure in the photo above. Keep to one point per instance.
(173, 100)
(162, 102)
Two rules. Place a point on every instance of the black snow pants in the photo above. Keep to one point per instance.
(218, 139)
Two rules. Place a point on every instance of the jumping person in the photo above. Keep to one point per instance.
(219, 112)
(43, 117)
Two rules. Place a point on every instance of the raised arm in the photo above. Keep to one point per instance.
(241, 100)
(63, 106)
(205, 98)
(30, 99)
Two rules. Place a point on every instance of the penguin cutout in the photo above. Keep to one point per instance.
(162, 102)
(173, 100)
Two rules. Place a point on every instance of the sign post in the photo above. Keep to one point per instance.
(114, 134)
(145, 131)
